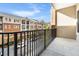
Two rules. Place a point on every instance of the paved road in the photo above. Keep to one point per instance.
(39, 45)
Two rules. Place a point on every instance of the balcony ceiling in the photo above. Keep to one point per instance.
(62, 5)
(68, 11)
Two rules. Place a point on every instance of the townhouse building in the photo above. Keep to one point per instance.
(9, 23)
(34, 24)
(40, 25)
(13, 23)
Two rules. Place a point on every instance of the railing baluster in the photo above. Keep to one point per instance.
(2, 44)
(27, 43)
(44, 39)
(8, 45)
(32, 42)
(21, 44)
(24, 43)
(15, 44)
(36, 42)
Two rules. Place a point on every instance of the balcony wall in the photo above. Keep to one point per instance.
(66, 20)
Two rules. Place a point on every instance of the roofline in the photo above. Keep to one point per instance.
(28, 19)
(11, 15)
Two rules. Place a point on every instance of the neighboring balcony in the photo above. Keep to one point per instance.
(26, 43)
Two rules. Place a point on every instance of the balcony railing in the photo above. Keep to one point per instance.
(25, 43)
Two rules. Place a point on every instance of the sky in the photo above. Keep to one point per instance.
(38, 11)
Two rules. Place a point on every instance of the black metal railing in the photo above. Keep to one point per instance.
(25, 43)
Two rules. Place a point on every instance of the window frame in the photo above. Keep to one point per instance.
(2, 27)
(1, 18)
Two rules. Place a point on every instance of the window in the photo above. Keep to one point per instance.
(9, 19)
(27, 26)
(23, 21)
(0, 19)
(27, 22)
(1, 26)
(23, 26)
(6, 19)
(14, 20)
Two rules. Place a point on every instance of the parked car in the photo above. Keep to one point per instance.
(19, 44)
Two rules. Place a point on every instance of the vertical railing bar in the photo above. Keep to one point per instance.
(51, 34)
(15, 44)
(24, 43)
(2, 44)
(21, 44)
(8, 45)
(44, 39)
(38, 39)
(27, 43)
(36, 42)
(32, 42)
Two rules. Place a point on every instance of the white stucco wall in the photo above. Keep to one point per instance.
(64, 20)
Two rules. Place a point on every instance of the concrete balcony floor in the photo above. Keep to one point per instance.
(62, 47)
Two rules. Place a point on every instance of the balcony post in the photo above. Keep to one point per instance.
(44, 39)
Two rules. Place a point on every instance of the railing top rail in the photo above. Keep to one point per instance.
(22, 31)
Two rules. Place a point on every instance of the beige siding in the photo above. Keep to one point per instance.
(66, 32)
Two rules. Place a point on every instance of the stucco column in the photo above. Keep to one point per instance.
(53, 17)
